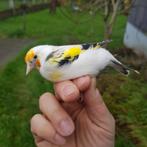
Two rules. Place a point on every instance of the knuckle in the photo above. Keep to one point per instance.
(57, 111)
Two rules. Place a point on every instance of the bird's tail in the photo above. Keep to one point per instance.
(122, 68)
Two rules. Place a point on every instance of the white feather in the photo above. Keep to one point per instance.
(91, 62)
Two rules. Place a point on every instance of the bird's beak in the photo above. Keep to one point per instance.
(28, 69)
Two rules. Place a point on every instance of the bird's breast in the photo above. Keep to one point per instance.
(55, 75)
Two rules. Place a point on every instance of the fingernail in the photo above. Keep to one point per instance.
(67, 127)
(68, 90)
(59, 140)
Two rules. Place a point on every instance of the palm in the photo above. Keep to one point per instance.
(87, 132)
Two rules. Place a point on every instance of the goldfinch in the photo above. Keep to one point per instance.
(58, 63)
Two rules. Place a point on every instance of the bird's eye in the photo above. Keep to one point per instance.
(35, 56)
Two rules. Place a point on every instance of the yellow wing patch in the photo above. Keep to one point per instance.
(72, 52)
(29, 56)
(67, 56)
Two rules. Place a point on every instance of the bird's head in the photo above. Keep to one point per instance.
(32, 60)
(36, 57)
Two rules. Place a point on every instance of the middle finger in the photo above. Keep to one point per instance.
(67, 91)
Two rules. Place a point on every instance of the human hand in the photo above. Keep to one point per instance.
(68, 121)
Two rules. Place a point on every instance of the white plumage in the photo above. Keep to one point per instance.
(58, 63)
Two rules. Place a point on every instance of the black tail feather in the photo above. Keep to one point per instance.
(122, 68)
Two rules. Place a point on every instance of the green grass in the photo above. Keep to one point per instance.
(80, 28)
(3, 5)
(18, 102)
(125, 96)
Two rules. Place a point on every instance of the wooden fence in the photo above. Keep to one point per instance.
(19, 11)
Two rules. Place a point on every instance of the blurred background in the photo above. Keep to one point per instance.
(26, 23)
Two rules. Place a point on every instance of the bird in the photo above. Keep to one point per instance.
(67, 62)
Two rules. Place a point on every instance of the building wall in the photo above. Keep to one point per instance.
(138, 15)
(136, 30)
(135, 39)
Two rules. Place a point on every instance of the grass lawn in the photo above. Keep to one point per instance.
(125, 96)
(18, 101)
(81, 28)
(3, 5)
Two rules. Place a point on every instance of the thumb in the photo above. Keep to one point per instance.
(96, 108)
(92, 96)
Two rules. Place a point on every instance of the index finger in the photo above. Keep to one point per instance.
(66, 91)
(70, 90)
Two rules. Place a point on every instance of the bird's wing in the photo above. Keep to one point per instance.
(62, 55)
(67, 54)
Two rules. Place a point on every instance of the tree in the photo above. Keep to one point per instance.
(111, 9)
(127, 5)
(24, 9)
(53, 5)
(108, 8)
